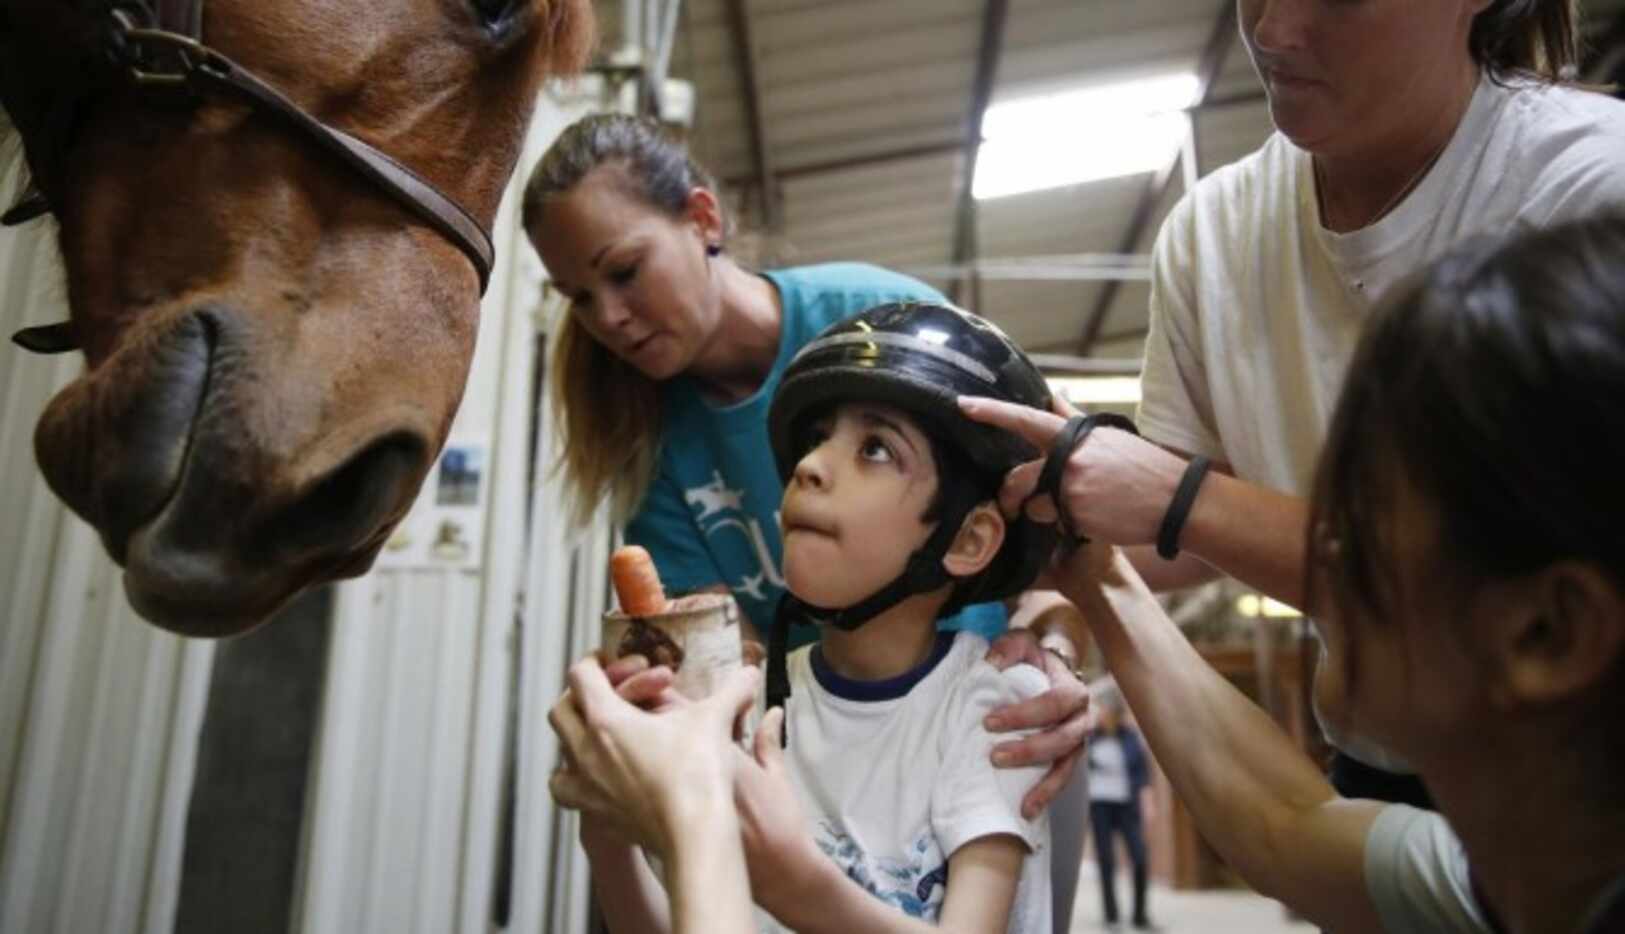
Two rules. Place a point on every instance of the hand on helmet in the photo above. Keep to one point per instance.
(1115, 487)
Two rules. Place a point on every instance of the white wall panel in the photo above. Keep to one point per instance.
(566, 586)
(99, 711)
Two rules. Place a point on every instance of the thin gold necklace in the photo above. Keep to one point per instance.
(1393, 202)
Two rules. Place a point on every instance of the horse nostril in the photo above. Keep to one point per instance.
(351, 504)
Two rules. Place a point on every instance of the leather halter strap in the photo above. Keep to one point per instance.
(161, 46)
(182, 16)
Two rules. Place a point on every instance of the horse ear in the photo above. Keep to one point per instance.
(47, 338)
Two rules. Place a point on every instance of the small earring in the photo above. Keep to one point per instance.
(713, 249)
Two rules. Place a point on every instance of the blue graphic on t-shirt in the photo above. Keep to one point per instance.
(910, 886)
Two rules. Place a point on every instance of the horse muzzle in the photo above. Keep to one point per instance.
(221, 474)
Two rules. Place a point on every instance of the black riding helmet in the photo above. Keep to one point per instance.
(919, 357)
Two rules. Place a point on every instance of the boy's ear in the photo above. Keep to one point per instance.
(1561, 637)
(978, 541)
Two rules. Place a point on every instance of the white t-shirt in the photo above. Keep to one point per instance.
(895, 776)
(1256, 308)
(1416, 873)
(1108, 770)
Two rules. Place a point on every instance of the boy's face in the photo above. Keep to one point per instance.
(853, 506)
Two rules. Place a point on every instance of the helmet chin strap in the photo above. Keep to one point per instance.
(923, 573)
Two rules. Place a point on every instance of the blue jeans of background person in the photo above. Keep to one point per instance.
(1110, 819)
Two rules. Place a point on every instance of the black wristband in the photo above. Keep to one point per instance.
(1173, 521)
(1067, 440)
(1060, 448)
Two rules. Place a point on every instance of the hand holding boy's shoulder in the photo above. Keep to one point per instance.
(972, 798)
(984, 686)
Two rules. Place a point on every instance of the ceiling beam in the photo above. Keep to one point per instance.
(947, 147)
(1068, 345)
(1052, 363)
(1157, 186)
(994, 15)
(867, 160)
(1115, 337)
(744, 48)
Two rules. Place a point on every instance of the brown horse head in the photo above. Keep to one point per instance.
(275, 347)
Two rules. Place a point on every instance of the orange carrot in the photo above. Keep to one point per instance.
(637, 583)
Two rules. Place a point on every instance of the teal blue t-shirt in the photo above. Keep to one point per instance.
(712, 515)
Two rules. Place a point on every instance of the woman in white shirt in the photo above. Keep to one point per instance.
(1403, 129)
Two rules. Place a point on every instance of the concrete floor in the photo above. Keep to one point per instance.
(1224, 911)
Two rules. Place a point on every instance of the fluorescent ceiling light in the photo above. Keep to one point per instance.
(1082, 135)
(1255, 605)
(1095, 390)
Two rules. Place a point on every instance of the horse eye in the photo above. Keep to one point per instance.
(493, 13)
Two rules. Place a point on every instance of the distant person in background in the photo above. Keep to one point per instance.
(1120, 800)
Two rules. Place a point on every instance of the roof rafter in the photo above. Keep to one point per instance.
(994, 15)
(938, 149)
(744, 48)
(1219, 43)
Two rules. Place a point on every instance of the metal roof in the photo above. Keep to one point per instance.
(860, 111)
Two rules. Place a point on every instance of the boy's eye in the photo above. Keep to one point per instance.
(624, 274)
(874, 449)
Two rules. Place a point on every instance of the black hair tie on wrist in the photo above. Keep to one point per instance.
(1067, 440)
(1179, 509)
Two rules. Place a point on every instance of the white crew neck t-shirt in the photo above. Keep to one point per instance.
(1256, 308)
(896, 776)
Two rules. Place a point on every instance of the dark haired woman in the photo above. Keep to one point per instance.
(1404, 128)
(662, 374)
(1469, 569)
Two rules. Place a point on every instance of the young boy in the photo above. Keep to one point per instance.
(890, 522)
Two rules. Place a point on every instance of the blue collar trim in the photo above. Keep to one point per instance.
(889, 689)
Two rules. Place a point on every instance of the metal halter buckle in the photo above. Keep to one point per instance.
(158, 57)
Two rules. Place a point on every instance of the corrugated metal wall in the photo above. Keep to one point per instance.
(99, 711)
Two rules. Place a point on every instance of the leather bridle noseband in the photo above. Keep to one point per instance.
(163, 48)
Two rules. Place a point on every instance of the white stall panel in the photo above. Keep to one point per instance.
(99, 711)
